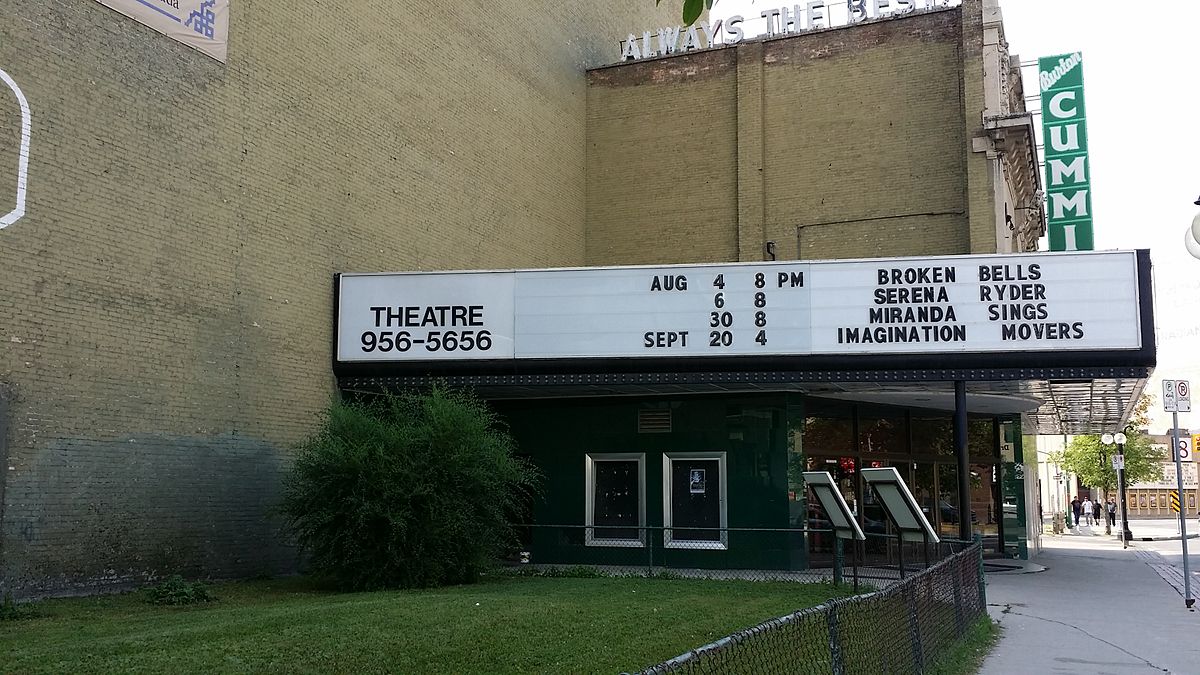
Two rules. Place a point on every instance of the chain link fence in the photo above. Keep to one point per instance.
(897, 630)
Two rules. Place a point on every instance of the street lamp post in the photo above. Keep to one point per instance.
(1104, 513)
(1119, 439)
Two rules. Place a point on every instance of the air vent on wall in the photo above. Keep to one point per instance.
(654, 421)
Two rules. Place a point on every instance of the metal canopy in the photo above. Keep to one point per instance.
(1051, 400)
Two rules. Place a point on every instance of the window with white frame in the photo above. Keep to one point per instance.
(616, 499)
(694, 514)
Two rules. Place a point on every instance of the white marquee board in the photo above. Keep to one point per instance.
(955, 304)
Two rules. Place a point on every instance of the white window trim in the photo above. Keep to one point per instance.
(590, 538)
(669, 540)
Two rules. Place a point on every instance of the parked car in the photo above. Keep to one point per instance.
(949, 512)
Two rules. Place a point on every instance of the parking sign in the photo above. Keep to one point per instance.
(1177, 396)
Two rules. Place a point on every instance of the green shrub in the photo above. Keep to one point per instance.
(406, 491)
(176, 591)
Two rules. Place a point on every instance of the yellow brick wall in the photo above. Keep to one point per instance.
(864, 149)
(852, 142)
(981, 199)
(661, 138)
(165, 321)
(166, 316)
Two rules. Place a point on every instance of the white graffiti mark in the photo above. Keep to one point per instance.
(22, 154)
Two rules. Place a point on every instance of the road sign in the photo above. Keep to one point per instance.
(1182, 403)
(1118, 462)
(1169, 402)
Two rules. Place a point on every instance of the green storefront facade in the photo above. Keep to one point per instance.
(760, 445)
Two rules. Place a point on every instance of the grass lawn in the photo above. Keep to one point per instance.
(967, 655)
(546, 625)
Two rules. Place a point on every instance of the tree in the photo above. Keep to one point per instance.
(406, 491)
(1139, 419)
(692, 9)
(1091, 460)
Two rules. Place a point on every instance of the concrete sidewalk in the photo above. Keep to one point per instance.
(1096, 609)
(1157, 529)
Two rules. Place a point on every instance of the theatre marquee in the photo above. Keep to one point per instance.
(988, 304)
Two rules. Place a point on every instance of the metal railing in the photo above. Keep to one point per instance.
(755, 554)
(900, 629)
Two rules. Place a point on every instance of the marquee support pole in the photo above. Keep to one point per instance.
(960, 451)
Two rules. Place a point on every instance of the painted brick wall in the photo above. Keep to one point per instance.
(165, 320)
(864, 152)
(852, 142)
(661, 141)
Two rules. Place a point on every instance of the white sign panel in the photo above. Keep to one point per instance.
(959, 304)
(1169, 402)
(425, 317)
(676, 311)
(1118, 462)
(1169, 474)
(984, 303)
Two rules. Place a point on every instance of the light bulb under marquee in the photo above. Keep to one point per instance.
(1191, 237)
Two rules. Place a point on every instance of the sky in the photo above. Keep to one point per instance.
(1141, 70)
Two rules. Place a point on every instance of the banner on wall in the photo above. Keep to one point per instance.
(1064, 136)
(200, 24)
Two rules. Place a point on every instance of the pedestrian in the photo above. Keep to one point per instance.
(1076, 509)
(1111, 508)
(1087, 507)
